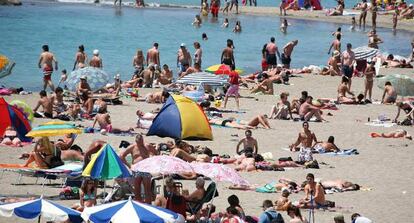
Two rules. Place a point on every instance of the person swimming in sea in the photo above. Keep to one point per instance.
(283, 26)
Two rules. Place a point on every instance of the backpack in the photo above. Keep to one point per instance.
(277, 219)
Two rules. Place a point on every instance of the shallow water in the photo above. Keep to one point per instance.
(117, 34)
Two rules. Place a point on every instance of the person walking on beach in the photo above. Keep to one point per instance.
(80, 58)
(153, 55)
(227, 56)
(198, 53)
(363, 15)
(235, 3)
(46, 61)
(271, 51)
(183, 58)
(348, 61)
(139, 152)
(96, 61)
(233, 89)
(287, 52)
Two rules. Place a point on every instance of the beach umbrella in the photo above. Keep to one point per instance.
(364, 52)
(105, 165)
(38, 208)
(129, 211)
(97, 78)
(403, 84)
(222, 69)
(203, 78)
(11, 116)
(54, 129)
(181, 118)
(219, 172)
(6, 66)
(163, 164)
(23, 107)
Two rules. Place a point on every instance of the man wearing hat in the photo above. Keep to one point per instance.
(96, 61)
(183, 58)
(83, 87)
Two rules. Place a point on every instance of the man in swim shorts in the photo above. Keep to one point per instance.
(348, 61)
(287, 52)
(46, 61)
(227, 56)
(233, 89)
(271, 51)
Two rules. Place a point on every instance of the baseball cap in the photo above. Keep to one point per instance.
(182, 45)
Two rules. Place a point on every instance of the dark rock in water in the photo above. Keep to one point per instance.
(10, 2)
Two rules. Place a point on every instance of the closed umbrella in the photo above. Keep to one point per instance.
(219, 172)
(163, 164)
(364, 52)
(203, 78)
(54, 129)
(129, 211)
(96, 78)
(40, 208)
(403, 84)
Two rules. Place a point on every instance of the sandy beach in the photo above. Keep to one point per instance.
(383, 167)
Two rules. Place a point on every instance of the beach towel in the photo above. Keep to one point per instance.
(378, 123)
(345, 152)
(267, 188)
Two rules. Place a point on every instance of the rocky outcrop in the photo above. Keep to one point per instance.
(10, 2)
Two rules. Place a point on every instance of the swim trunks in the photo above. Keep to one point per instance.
(347, 71)
(47, 77)
(108, 128)
(214, 10)
(271, 59)
(137, 174)
(264, 64)
(285, 59)
(227, 61)
(233, 90)
(47, 70)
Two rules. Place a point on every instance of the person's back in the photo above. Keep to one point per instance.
(270, 215)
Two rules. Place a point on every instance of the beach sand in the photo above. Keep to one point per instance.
(383, 20)
(385, 165)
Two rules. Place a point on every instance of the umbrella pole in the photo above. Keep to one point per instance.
(38, 219)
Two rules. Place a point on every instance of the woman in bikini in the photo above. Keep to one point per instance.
(282, 109)
(240, 124)
(399, 133)
(11, 138)
(87, 195)
(42, 153)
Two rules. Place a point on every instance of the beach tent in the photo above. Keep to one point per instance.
(181, 118)
(12, 116)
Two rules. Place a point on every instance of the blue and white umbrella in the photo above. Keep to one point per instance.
(364, 52)
(203, 78)
(129, 211)
(40, 208)
(97, 78)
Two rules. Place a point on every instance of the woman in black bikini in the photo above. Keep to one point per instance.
(10, 137)
(42, 153)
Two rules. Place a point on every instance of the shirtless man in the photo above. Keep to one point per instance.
(307, 110)
(266, 86)
(287, 52)
(166, 76)
(314, 194)
(47, 105)
(369, 81)
(104, 121)
(46, 61)
(249, 144)
(343, 89)
(80, 58)
(190, 70)
(83, 87)
(364, 12)
(336, 44)
(155, 97)
(93, 148)
(139, 152)
(183, 58)
(373, 39)
(153, 55)
(57, 99)
(148, 76)
(390, 94)
(305, 138)
(347, 62)
(341, 185)
(227, 56)
(271, 51)
(96, 61)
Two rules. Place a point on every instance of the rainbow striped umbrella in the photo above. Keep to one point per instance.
(54, 129)
(106, 165)
(222, 69)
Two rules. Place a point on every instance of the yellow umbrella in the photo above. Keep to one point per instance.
(54, 128)
(222, 69)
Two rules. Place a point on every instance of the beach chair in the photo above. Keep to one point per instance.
(211, 192)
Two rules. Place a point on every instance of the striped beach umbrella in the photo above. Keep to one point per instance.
(129, 211)
(40, 208)
(105, 165)
(202, 78)
(222, 69)
(54, 129)
(364, 52)
(97, 78)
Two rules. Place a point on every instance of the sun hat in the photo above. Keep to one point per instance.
(95, 52)
(83, 77)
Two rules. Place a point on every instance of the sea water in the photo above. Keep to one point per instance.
(118, 33)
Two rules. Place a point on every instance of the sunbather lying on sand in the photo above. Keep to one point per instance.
(341, 185)
(145, 119)
(246, 164)
(328, 146)
(240, 124)
(400, 133)
(155, 97)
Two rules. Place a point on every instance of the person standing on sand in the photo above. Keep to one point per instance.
(198, 53)
(138, 62)
(271, 51)
(183, 58)
(369, 81)
(139, 152)
(227, 56)
(96, 61)
(80, 58)
(363, 15)
(153, 55)
(287, 52)
(46, 61)
(348, 61)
